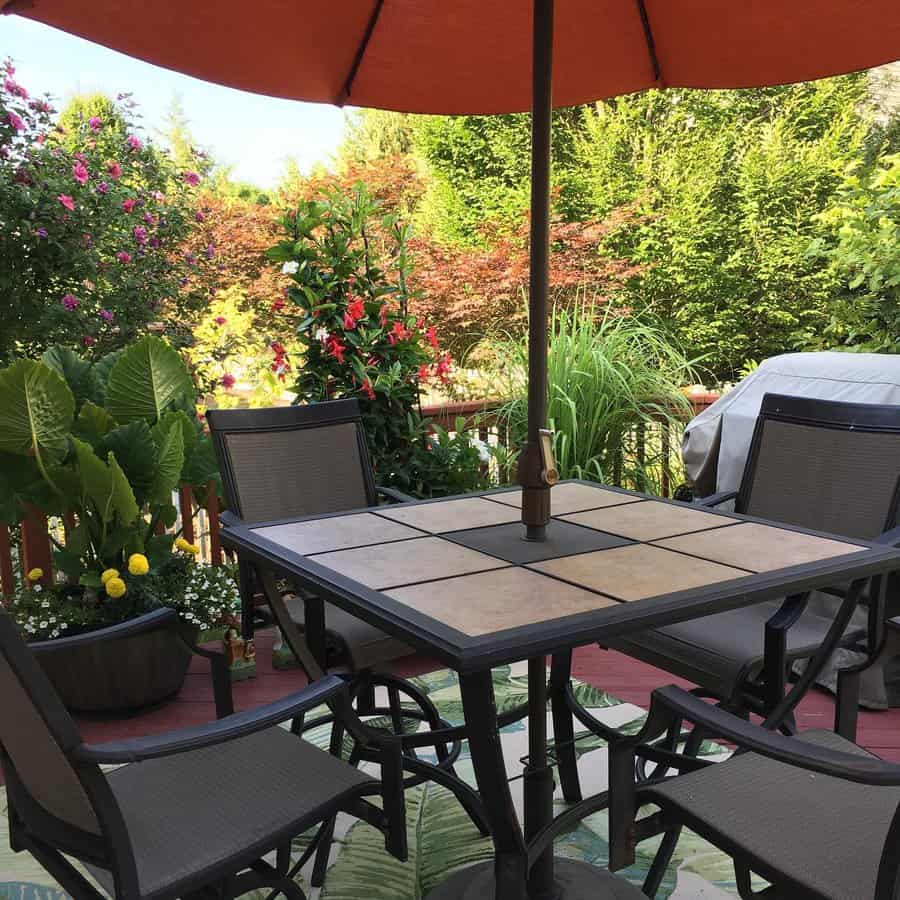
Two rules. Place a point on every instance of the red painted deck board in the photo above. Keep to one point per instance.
(623, 677)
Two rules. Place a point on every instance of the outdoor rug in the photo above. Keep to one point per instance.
(441, 837)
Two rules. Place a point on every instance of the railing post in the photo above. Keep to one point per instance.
(36, 544)
(7, 581)
(212, 510)
(186, 504)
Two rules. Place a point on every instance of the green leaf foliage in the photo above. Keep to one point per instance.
(78, 373)
(169, 440)
(36, 410)
(146, 380)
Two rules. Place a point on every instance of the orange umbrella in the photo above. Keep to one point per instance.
(476, 56)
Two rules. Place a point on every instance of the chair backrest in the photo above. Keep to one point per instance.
(37, 735)
(293, 461)
(824, 465)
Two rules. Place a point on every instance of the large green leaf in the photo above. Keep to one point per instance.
(135, 452)
(20, 483)
(169, 440)
(146, 380)
(441, 839)
(77, 372)
(92, 423)
(105, 486)
(36, 410)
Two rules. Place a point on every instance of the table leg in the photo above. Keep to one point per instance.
(508, 878)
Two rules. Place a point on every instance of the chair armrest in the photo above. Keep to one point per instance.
(716, 499)
(393, 494)
(147, 622)
(208, 735)
(793, 751)
(891, 538)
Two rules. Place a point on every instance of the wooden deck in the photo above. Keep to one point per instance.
(625, 678)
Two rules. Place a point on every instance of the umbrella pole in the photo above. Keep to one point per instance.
(532, 465)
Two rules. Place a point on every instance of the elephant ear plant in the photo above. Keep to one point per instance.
(105, 445)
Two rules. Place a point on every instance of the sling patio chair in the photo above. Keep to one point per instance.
(192, 813)
(814, 815)
(817, 464)
(287, 462)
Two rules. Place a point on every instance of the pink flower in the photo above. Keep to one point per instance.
(220, 320)
(128, 205)
(349, 322)
(10, 85)
(140, 234)
(69, 302)
(148, 218)
(114, 169)
(134, 143)
(80, 173)
(210, 251)
(154, 241)
(123, 256)
(102, 188)
(159, 196)
(191, 178)
(107, 315)
(198, 216)
(15, 121)
(88, 341)
(66, 201)
(41, 232)
(227, 381)
(95, 122)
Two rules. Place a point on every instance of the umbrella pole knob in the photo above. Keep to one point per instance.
(535, 491)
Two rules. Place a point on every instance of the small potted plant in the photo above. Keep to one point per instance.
(104, 446)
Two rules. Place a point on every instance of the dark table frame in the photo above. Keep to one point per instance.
(524, 861)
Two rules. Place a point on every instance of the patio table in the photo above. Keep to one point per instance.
(455, 579)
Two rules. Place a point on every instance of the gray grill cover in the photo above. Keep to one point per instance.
(716, 442)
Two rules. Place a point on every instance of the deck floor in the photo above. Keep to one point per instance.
(625, 678)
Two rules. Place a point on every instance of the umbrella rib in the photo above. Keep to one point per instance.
(360, 52)
(648, 37)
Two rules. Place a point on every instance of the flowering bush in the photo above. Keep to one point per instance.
(92, 219)
(349, 267)
(205, 597)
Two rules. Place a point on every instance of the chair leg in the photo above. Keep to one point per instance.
(320, 866)
(661, 862)
(563, 727)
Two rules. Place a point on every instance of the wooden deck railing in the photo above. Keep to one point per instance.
(27, 546)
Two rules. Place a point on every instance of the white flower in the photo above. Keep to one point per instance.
(321, 334)
(484, 451)
(43, 624)
(290, 268)
(37, 588)
(45, 604)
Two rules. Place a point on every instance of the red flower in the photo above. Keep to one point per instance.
(431, 335)
(88, 341)
(335, 348)
(442, 369)
(128, 205)
(357, 308)
(123, 256)
(399, 333)
(424, 374)
(277, 305)
(227, 381)
(383, 315)
(349, 322)
(367, 389)
(220, 320)
(114, 169)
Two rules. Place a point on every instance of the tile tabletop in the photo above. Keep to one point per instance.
(462, 564)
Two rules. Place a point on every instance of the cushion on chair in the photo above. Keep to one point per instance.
(720, 652)
(189, 812)
(366, 645)
(825, 833)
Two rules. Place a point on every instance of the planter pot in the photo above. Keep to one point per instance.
(122, 668)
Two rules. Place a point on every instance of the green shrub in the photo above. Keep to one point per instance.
(607, 377)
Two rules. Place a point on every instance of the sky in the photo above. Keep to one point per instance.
(252, 133)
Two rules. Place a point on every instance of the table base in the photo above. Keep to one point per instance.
(574, 881)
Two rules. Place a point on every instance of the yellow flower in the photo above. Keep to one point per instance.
(115, 588)
(185, 547)
(137, 564)
(107, 574)
(35, 574)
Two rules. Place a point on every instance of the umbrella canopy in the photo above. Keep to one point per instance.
(474, 56)
(491, 56)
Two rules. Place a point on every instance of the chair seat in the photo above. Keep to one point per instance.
(187, 813)
(351, 639)
(825, 834)
(723, 651)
